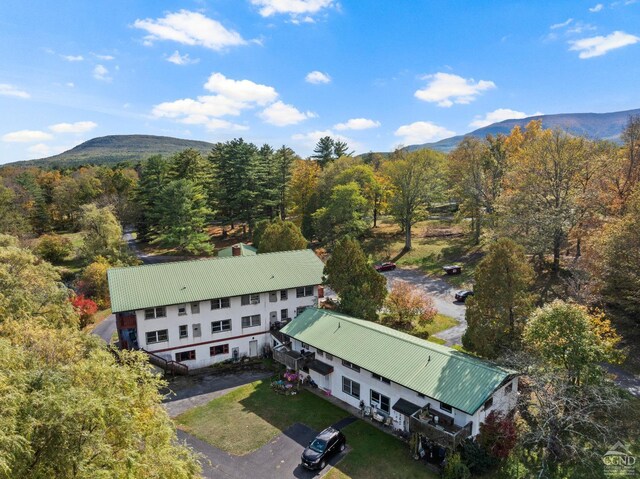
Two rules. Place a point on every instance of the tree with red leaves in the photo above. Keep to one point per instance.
(498, 435)
(85, 307)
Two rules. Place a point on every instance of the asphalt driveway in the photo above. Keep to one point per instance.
(278, 459)
(442, 294)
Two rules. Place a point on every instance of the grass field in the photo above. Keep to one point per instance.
(249, 417)
(435, 243)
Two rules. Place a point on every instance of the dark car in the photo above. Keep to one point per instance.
(463, 295)
(322, 448)
(385, 267)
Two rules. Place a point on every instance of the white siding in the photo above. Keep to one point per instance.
(207, 339)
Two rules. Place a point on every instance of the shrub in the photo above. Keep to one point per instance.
(54, 248)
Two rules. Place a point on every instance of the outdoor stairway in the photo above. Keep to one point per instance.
(168, 366)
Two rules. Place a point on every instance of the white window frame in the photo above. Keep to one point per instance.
(222, 324)
(220, 303)
(347, 387)
(251, 321)
(157, 336)
(183, 331)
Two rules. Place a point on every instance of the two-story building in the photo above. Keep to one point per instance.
(415, 385)
(204, 311)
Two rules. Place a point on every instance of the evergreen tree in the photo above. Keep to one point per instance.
(340, 148)
(154, 176)
(281, 236)
(360, 288)
(324, 151)
(284, 159)
(501, 303)
(183, 216)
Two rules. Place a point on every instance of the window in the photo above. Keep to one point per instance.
(350, 365)
(508, 388)
(300, 309)
(184, 331)
(182, 310)
(304, 291)
(380, 378)
(304, 345)
(250, 299)
(220, 326)
(219, 349)
(186, 355)
(319, 352)
(329, 356)
(445, 407)
(151, 313)
(220, 303)
(284, 314)
(350, 387)
(488, 403)
(284, 295)
(250, 321)
(380, 401)
(195, 308)
(157, 336)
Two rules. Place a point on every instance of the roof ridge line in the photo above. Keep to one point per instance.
(421, 342)
(211, 258)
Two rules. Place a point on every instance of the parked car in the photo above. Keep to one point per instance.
(463, 295)
(385, 267)
(322, 448)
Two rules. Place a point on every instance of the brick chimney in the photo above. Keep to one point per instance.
(236, 250)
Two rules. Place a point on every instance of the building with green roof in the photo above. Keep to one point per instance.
(422, 386)
(203, 311)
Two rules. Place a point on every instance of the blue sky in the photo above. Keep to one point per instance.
(376, 73)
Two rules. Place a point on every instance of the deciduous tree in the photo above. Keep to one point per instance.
(417, 181)
(343, 215)
(54, 248)
(408, 307)
(501, 302)
(102, 235)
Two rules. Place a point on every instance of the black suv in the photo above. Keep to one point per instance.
(463, 295)
(322, 448)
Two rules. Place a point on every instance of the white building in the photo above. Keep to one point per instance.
(205, 311)
(415, 385)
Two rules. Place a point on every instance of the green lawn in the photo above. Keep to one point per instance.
(439, 323)
(435, 243)
(249, 417)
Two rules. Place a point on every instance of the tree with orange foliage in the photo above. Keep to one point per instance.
(86, 308)
(408, 307)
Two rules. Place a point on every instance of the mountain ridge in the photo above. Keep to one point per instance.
(600, 126)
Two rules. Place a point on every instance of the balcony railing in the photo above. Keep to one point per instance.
(440, 431)
(293, 360)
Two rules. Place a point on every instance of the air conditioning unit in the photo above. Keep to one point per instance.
(255, 301)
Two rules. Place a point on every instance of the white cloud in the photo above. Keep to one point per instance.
(317, 77)
(566, 23)
(26, 136)
(105, 58)
(422, 132)
(40, 149)
(596, 8)
(200, 110)
(77, 127)
(10, 90)
(240, 90)
(178, 59)
(357, 124)
(600, 45)
(216, 124)
(281, 114)
(294, 8)
(190, 28)
(498, 115)
(70, 84)
(101, 73)
(73, 58)
(445, 89)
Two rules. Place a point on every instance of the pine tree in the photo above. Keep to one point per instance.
(324, 151)
(154, 176)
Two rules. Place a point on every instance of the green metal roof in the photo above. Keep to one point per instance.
(245, 250)
(140, 287)
(439, 372)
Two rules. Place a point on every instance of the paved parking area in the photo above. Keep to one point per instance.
(278, 459)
